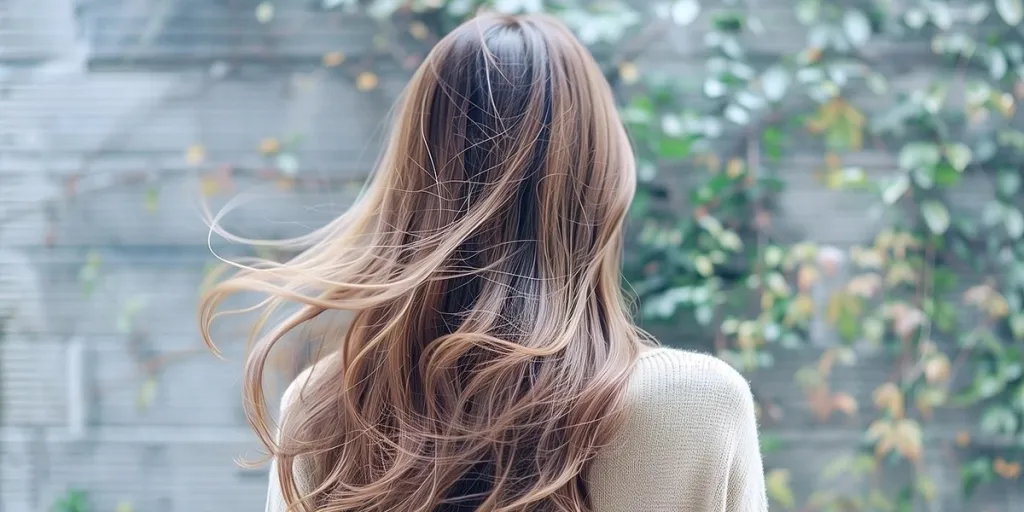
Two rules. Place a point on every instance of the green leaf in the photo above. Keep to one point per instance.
(857, 27)
(152, 199)
(936, 216)
(924, 176)
(714, 88)
(999, 420)
(977, 12)
(737, 114)
(978, 471)
(288, 163)
(926, 488)
(147, 392)
(915, 18)
(778, 488)
(1008, 182)
(988, 386)
(704, 314)
(1013, 219)
(1012, 11)
(946, 175)
(997, 65)
(685, 12)
(919, 154)
(942, 17)
(89, 274)
(807, 11)
(959, 156)
(895, 189)
(673, 148)
(774, 83)
(771, 444)
(126, 318)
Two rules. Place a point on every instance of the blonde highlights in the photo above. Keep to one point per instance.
(490, 344)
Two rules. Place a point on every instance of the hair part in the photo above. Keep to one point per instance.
(491, 342)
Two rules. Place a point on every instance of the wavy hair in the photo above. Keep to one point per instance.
(490, 343)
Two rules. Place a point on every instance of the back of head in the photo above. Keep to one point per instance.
(490, 342)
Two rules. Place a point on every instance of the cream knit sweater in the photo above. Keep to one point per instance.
(689, 443)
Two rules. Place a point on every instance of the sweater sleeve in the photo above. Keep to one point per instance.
(746, 487)
(275, 497)
(688, 443)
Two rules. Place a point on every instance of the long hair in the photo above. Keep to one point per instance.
(490, 342)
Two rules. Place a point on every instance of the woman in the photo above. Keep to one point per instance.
(491, 363)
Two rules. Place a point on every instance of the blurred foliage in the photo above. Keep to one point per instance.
(72, 501)
(940, 285)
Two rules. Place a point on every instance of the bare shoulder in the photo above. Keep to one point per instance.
(669, 383)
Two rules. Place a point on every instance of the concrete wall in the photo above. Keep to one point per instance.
(76, 410)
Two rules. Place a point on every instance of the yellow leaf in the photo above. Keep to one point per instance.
(998, 307)
(806, 277)
(881, 433)
(779, 490)
(900, 273)
(907, 438)
(889, 397)
(820, 403)
(418, 30)
(851, 114)
(864, 465)
(864, 286)
(270, 146)
(1005, 104)
(1007, 470)
(813, 55)
(333, 59)
(208, 186)
(937, 368)
(926, 487)
(734, 168)
(832, 161)
(147, 392)
(629, 72)
(826, 362)
(366, 81)
(930, 398)
(963, 438)
(195, 155)
(264, 12)
(845, 403)
(800, 310)
(285, 183)
(125, 506)
(152, 199)
(704, 265)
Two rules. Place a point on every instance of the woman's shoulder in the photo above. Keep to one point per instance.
(296, 388)
(670, 382)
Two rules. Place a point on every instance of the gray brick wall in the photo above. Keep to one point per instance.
(70, 379)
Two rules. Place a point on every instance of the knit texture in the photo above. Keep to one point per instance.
(689, 442)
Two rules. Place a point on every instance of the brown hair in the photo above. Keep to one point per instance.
(490, 343)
